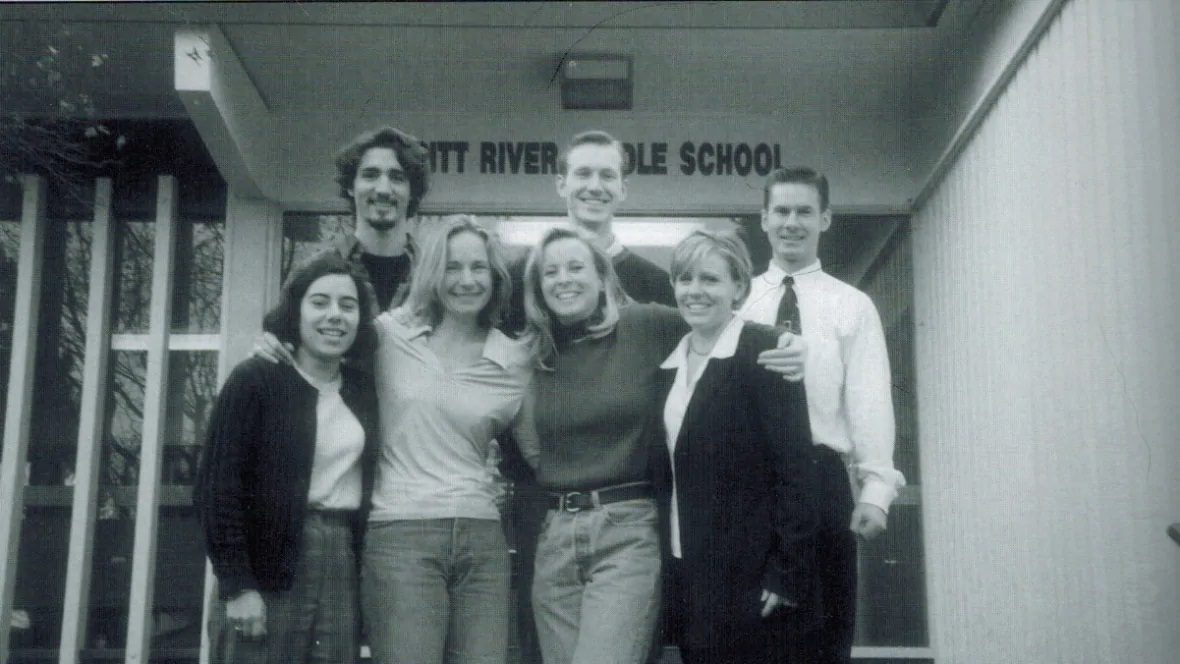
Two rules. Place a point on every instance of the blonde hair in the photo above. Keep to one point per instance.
(541, 319)
(724, 243)
(430, 263)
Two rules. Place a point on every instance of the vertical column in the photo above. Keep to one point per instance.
(90, 429)
(20, 388)
(253, 241)
(143, 571)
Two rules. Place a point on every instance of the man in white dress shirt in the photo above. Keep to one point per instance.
(848, 393)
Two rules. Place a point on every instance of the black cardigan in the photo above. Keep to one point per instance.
(251, 494)
(746, 493)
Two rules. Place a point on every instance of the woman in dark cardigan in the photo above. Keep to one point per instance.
(739, 498)
(287, 471)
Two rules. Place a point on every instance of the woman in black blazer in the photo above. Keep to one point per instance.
(286, 477)
(738, 492)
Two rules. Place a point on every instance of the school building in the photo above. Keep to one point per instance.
(1005, 183)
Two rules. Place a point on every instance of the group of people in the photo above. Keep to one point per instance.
(683, 441)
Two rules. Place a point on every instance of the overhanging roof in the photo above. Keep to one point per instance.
(876, 59)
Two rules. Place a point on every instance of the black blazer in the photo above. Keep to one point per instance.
(251, 493)
(745, 481)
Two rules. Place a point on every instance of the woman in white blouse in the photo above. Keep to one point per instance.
(740, 491)
(435, 571)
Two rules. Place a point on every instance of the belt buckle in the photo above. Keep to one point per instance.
(566, 506)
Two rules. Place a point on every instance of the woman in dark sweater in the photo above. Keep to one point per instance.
(597, 568)
(287, 469)
(741, 493)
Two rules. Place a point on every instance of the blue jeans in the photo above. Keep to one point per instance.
(436, 590)
(596, 586)
(317, 619)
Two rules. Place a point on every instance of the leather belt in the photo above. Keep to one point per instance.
(576, 501)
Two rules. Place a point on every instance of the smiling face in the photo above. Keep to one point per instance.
(329, 314)
(592, 185)
(467, 284)
(793, 220)
(570, 281)
(707, 294)
(380, 190)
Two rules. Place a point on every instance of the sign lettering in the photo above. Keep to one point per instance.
(703, 158)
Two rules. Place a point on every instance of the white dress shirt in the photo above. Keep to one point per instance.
(849, 392)
(676, 404)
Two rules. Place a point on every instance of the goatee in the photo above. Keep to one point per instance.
(382, 224)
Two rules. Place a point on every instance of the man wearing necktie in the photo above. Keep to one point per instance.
(848, 394)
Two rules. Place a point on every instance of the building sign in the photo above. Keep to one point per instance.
(655, 158)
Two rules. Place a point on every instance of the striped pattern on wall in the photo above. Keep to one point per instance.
(1045, 273)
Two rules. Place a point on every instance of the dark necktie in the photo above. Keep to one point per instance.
(788, 308)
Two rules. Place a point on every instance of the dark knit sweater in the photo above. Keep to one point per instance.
(597, 410)
(252, 491)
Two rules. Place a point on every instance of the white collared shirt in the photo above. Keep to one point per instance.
(676, 405)
(849, 393)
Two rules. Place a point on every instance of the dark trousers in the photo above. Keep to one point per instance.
(318, 619)
(757, 646)
(830, 640)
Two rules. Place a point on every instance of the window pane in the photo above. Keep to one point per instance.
(196, 287)
(192, 389)
(180, 580)
(180, 554)
(11, 195)
(114, 528)
(133, 207)
(41, 568)
(110, 578)
(304, 233)
(124, 428)
(9, 253)
(132, 289)
(61, 346)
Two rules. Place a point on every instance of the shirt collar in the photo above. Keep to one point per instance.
(498, 347)
(350, 248)
(725, 347)
(774, 274)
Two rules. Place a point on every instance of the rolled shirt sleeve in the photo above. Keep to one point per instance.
(868, 405)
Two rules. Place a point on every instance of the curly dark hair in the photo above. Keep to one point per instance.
(283, 320)
(411, 153)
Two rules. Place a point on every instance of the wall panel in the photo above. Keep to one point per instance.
(1045, 300)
